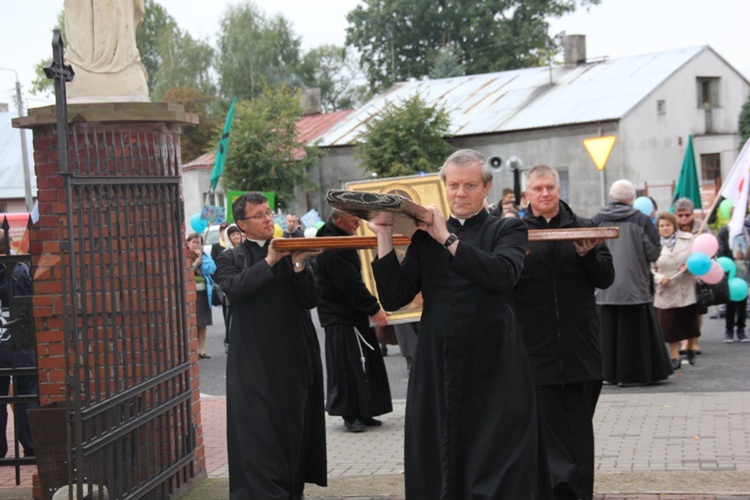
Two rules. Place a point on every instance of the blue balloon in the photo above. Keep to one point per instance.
(699, 263)
(644, 205)
(728, 265)
(737, 289)
(199, 225)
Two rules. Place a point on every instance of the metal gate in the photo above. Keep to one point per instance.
(125, 318)
(17, 359)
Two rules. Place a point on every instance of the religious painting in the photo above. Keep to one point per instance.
(422, 189)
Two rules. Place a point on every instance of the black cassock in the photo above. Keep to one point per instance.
(275, 417)
(355, 389)
(471, 425)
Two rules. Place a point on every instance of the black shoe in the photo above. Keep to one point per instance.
(682, 352)
(698, 352)
(676, 363)
(741, 335)
(384, 350)
(728, 337)
(204, 356)
(371, 422)
(691, 357)
(354, 425)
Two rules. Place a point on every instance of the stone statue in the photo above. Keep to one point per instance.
(102, 50)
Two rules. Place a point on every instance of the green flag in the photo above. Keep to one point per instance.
(221, 153)
(687, 183)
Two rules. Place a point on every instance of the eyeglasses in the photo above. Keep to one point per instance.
(260, 216)
(681, 216)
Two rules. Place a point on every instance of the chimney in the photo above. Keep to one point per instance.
(574, 47)
(309, 101)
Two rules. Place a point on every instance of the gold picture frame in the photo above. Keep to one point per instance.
(422, 189)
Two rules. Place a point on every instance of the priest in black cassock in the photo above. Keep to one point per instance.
(275, 417)
(357, 380)
(471, 428)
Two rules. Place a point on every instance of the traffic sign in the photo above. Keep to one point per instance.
(599, 149)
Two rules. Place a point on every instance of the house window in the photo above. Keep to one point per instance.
(708, 92)
(215, 199)
(710, 169)
(661, 107)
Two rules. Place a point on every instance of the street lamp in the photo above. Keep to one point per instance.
(24, 152)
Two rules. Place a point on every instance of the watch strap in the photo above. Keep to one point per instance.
(450, 240)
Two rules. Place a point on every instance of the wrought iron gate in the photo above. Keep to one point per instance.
(125, 318)
(17, 359)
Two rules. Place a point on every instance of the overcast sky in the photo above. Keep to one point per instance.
(615, 28)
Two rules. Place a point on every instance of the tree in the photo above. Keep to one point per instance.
(744, 125)
(264, 143)
(255, 51)
(336, 73)
(197, 139)
(184, 63)
(446, 64)
(405, 140)
(401, 39)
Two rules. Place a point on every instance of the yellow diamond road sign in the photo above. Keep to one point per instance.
(599, 149)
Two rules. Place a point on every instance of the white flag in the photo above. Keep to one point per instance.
(734, 189)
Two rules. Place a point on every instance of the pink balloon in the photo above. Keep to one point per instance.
(706, 243)
(714, 275)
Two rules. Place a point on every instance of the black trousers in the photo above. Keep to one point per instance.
(566, 415)
(736, 314)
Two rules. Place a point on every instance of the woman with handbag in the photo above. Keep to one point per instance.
(675, 300)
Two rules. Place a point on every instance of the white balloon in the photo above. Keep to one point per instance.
(310, 232)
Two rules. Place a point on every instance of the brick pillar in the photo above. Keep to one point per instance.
(146, 126)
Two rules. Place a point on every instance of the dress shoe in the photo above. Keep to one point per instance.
(204, 356)
(354, 425)
(682, 352)
(371, 422)
(676, 363)
(691, 356)
(741, 335)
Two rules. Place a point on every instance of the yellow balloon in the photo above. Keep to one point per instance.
(277, 231)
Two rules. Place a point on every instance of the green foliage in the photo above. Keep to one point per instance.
(446, 64)
(405, 140)
(264, 145)
(744, 125)
(335, 73)
(401, 39)
(204, 137)
(255, 51)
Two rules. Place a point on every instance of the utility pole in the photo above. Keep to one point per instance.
(24, 151)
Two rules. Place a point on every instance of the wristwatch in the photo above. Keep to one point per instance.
(451, 240)
(298, 265)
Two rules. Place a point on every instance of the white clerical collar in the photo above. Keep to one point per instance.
(261, 243)
(459, 219)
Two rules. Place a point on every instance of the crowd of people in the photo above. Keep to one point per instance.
(516, 337)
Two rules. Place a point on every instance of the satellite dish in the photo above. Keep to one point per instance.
(496, 163)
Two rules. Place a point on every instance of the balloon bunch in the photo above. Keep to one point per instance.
(700, 263)
(644, 205)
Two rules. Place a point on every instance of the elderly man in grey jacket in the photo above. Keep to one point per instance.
(633, 348)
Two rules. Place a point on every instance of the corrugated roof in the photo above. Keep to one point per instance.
(309, 128)
(11, 160)
(525, 99)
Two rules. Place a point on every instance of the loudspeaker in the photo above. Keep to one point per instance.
(496, 163)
